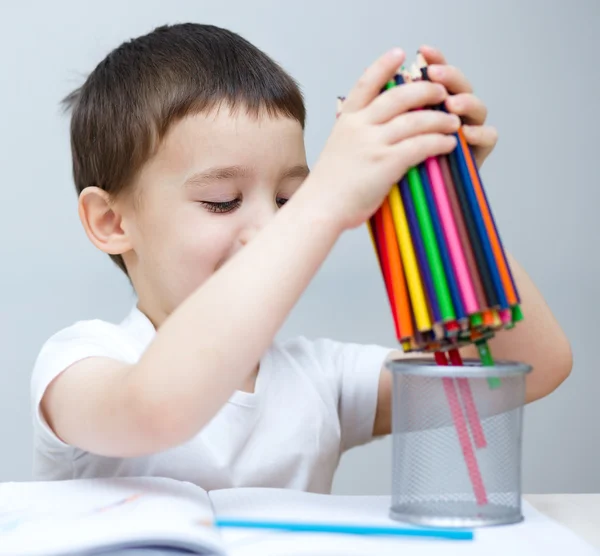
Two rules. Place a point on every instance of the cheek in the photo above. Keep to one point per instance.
(180, 248)
(199, 245)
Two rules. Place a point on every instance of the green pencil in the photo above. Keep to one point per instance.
(431, 247)
(487, 361)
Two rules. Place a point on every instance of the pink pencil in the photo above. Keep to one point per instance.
(505, 315)
(467, 397)
(463, 435)
(451, 233)
(465, 284)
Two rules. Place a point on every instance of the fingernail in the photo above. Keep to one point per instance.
(441, 88)
(456, 103)
(435, 71)
(396, 53)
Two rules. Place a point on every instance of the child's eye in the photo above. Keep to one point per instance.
(224, 206)
(281, 201)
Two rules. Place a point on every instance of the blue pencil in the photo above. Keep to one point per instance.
(480, 225)
(306, 527)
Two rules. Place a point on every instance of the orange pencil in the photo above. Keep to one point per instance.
(384, 259)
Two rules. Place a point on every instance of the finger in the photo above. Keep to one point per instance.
(373, 80)
(485, 137)
(451, 77)
(415, 150)
(432, 55)
(470, 107)
(420, 122)
(403, 98)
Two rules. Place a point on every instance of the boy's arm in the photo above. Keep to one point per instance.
(112, 409)
(538, 340)
(210, 344)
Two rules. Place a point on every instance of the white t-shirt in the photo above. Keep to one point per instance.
(312, 401)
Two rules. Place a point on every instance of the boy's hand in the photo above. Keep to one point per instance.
(462, 102)
(376, 139)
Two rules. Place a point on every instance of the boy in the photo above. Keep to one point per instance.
(187, 142)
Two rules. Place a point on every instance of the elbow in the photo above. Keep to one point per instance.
(562, 363)
(160, 422)
(161, 427)
(567, 365)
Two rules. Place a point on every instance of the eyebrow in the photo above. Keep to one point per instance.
(218, 173)
(299, 171)
(222, 173)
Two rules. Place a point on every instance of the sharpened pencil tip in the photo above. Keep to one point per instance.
(415, 72)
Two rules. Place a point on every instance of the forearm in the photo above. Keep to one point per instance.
(212, 342)
(538, 340)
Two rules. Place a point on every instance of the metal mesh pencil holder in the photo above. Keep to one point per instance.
(457, 443)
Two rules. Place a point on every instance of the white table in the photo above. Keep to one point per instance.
(578, 512)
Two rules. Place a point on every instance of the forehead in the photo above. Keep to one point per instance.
(223, 137)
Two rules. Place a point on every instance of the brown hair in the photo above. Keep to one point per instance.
(130, 100)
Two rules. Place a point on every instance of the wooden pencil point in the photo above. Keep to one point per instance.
(415, 72)
(421, 62)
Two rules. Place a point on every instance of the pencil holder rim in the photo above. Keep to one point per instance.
(471, 368)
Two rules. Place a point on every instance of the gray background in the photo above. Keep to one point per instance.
(532, 64)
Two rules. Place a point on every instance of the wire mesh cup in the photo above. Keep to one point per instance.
(457, 441)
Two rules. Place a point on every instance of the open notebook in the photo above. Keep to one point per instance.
(96, 516)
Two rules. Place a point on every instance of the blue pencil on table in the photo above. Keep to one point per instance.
(348, 529)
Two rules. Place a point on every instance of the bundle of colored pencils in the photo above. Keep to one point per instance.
(444, 267)
(445, 270)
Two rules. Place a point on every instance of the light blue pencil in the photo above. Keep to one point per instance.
(307, 527)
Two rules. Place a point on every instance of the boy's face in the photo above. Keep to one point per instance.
(215, 181)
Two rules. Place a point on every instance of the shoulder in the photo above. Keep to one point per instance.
(81, 340)
(124, 341)
(93, 336)
(95, 331)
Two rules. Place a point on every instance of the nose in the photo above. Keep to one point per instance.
(255, 224)
(248, 234)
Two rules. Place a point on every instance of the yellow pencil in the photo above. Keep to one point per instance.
(409, 262)
(497, 321)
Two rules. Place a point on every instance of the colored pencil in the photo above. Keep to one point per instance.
(453, 283)
(442, 294)
(417, 240)
(464, 239)
(463, 435)
(399, 287)
(409, 261)
(488, 218)
(343, 528)
(466, 394)
(384, 259)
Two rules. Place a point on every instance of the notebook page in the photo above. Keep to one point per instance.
(537, 535)
(79, 516)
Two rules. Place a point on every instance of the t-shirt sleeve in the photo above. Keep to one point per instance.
(355, 371)
(73, 344)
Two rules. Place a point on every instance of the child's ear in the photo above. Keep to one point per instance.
(102, 221)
